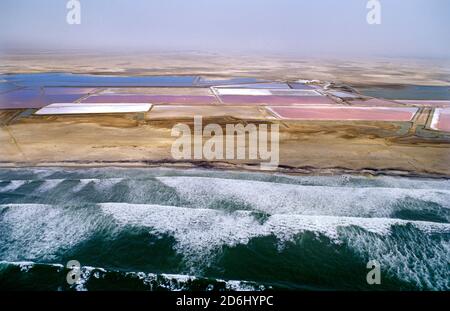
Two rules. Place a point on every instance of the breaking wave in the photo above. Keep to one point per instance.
(176, 229)
(308, 200)
(92, 278)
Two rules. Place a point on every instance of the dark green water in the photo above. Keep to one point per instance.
(166, 229)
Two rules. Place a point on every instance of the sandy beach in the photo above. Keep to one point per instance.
(305, 146)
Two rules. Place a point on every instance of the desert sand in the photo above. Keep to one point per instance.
(305, 146)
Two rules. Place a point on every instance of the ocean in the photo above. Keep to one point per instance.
(199, 229)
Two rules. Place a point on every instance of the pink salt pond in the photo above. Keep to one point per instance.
(441, 120)
(275, 100)
(344, 113)
(36, 98)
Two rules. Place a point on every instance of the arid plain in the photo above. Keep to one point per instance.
(306, 146)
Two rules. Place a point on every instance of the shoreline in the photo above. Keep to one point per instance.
(226, 166)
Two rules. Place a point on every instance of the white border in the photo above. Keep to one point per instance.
(93, 108)
(435, 119)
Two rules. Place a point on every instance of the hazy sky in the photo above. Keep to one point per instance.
(323, 27)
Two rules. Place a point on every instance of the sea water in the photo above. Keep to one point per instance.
(172, 229)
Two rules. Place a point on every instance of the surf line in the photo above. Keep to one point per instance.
(237, 142)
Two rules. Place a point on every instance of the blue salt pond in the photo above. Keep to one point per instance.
(72, 80)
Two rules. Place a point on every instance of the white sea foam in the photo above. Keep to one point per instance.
(49, 184)
(25, 266)
(173, 282)
(188, 225)
(242, 286)
(41, 232)
(13, 185)
(100, 184)
(86, 272)
(82, 183)
(422, 261)
(176, 282)
(365, 181)
(35, 231)
(276, 198)
(200, 233)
